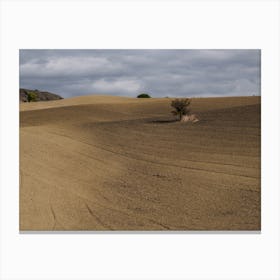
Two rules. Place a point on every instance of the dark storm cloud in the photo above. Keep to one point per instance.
(129, 72)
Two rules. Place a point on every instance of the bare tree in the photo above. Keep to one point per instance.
(181, 107)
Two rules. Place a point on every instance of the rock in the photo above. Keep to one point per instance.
(190, 118)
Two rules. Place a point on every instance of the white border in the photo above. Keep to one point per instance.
(135, 24)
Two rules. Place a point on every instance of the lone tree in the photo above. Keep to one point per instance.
(143, 95)
(181, 107)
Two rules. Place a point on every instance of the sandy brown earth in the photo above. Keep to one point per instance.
(113, 163)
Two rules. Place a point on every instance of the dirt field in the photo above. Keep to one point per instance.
(113, 163)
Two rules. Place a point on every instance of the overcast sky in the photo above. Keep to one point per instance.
(160, 73)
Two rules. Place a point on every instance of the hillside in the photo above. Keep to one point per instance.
(39, 95)
(113, 163)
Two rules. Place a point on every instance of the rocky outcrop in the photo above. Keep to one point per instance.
(37, 95)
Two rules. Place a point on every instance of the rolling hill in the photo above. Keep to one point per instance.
(116, 163)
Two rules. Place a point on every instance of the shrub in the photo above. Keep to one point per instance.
(143, 95)
(181, 107)
(31, 96)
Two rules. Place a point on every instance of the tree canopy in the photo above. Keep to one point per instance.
(143, 95)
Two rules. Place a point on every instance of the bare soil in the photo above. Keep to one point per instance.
(112, 163)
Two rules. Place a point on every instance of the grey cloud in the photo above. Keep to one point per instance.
(129, 72)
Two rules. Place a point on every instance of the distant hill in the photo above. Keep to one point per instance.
(37, 94)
